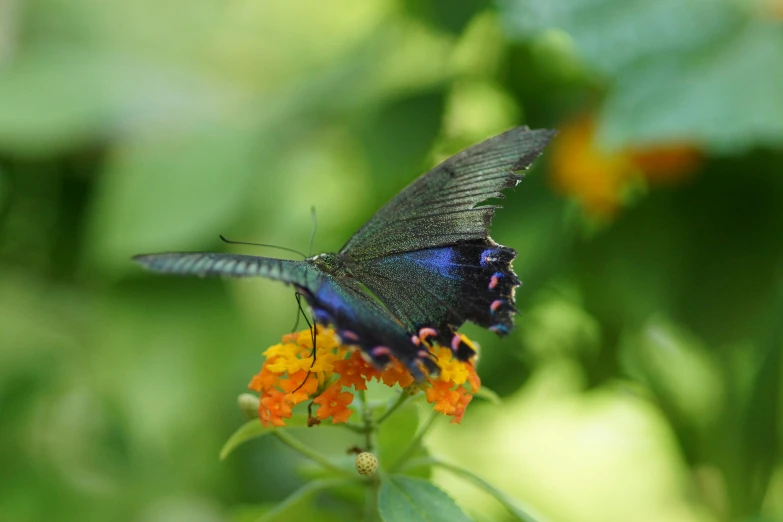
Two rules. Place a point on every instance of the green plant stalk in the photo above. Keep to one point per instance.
(402, 399)
(371, 503)
(414, 443)
(303, 492)
(294, 444)
(369, 423)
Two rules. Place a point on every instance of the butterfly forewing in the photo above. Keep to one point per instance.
(439, 208)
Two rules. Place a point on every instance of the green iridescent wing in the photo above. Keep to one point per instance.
(340, 303)
(440, 208)
(228, 265)
(427, 254)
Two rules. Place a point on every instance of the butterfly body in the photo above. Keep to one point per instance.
(417, 270)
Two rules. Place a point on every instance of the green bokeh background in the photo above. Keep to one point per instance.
(643, 381)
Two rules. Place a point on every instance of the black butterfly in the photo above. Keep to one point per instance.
(426, 256)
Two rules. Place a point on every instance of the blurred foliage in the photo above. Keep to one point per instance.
(644, 379)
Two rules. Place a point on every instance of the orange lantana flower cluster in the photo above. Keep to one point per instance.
(338, 370)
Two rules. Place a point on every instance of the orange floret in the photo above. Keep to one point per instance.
(334, 403)
(397, 373)
(274, 408)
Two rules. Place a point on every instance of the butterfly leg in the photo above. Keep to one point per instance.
(298, 310)
(313, 334)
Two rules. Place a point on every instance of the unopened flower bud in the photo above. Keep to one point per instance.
(249, 403)
(366, 464)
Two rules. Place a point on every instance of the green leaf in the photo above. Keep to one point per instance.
(682, 99)
(169, 192)
(55, 100)
(673, 67)
(253, 429)
(395, 434)
(393, 146)
(283, 511)
(508, 502)
(639, 29)
(446, 14)
(51, 102)
(408, 499)
(489, 395)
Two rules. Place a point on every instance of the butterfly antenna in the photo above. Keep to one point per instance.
(230, 242)
(315, 227)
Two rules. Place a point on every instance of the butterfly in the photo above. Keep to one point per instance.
(418, 269)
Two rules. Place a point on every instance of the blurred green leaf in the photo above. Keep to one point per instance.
(513, 505)
(695, 98)
(167, 192)
(489, 395)
(284, 511)
(396, 433)
(761, 427)
(445, 14)
(253, 429)
(396, 149)
(50, 103)
(614, 35)
(407, 499)
(679, 370)
(56, 100)
(677, 70)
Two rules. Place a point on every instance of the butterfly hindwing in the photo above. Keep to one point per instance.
(468, 281)
(362, 321)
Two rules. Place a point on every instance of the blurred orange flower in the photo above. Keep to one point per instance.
(774, 8)
(598, 179)
(338, 370)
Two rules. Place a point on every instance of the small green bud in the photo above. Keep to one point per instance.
(249, 404)
(366, 464)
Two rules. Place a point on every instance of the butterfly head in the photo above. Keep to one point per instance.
(331, 264)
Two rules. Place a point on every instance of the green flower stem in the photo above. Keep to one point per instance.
(306, 491)
(371, 500)
(294, 444)
(353, 427)
(369, 423)
(415, 443)
(404, 396)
